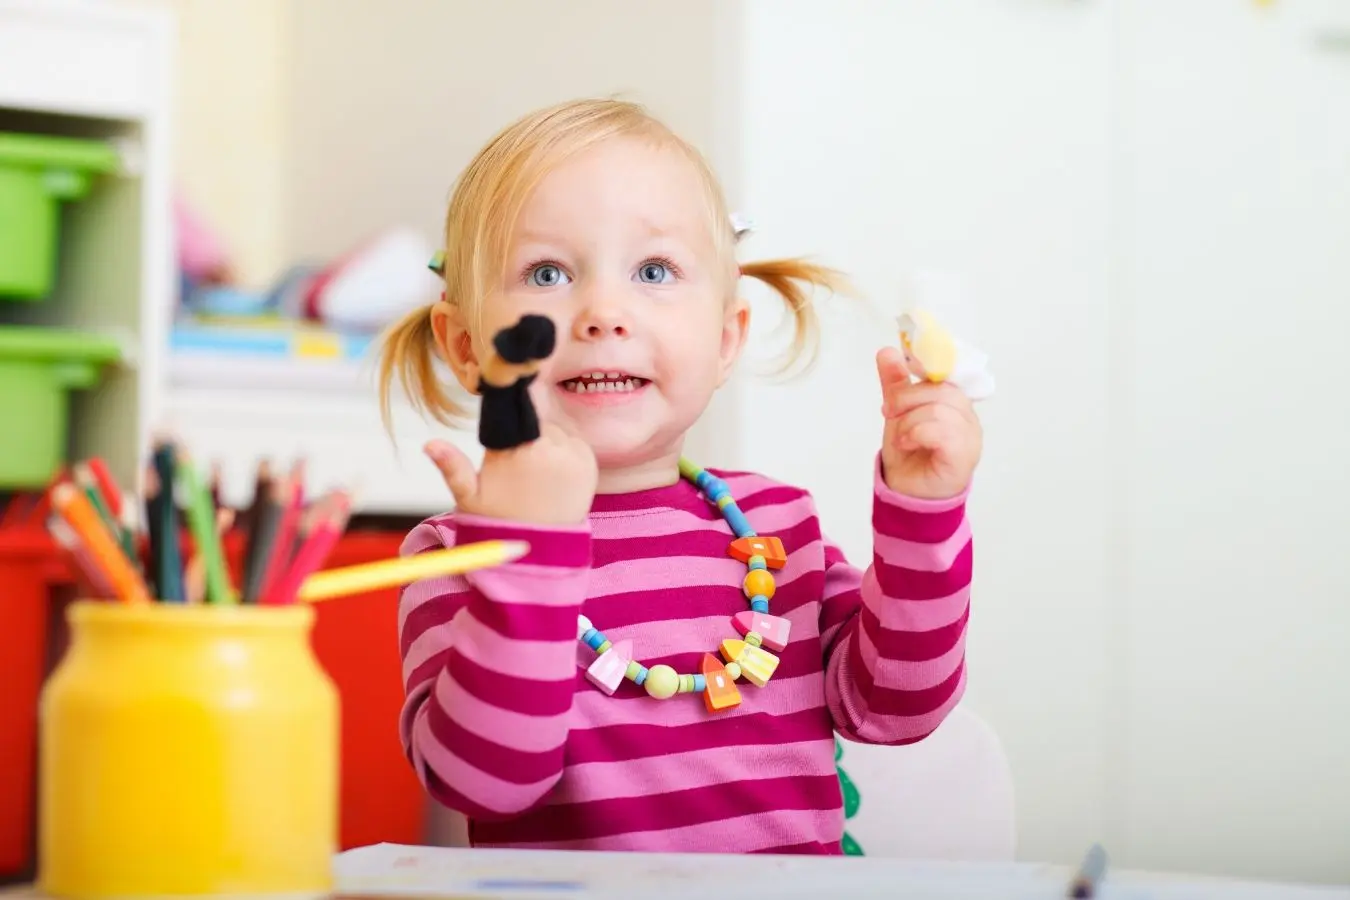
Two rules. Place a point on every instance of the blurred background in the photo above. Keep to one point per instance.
(1139, 208)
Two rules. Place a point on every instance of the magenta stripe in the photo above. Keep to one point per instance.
(483, 795)
(921, 528)
(556, 547)
(705, 543)
(923, 557)
(743, 834)
(654, 523)
(809, 848)
(722, 732)
(533, 660)
(676, 809)
(915, 584)
(523, 696)
(526, 621)
(499, 760)
(433, 613)
(533, 733)
(913, 646)
(883, 701)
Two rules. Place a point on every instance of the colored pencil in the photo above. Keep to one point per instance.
(1090, 874)
(170, 574)
(201, 513)
(74, 508)
(107, 486)
(329, 522)
(405, 570)
(262, 538)
(284, 541)
(63, 534)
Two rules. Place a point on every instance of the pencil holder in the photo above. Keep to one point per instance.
(187, 750)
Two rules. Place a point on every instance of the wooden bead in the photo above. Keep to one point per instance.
(757, 664)
(610, 667)
(734, 670)
(634, 669)
(763, 545)
(753, 639)
(662, 682)
(719, 688)
(757, 562)
(583, 626)
(773, 631)
(686, 684)
(604, 646)
(758, 583)
(759, 604)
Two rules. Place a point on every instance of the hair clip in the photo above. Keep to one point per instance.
(741, 226)
(437, 263)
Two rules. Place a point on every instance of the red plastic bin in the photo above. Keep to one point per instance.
(31, 567)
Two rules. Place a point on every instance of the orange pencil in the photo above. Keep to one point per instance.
(74, 508)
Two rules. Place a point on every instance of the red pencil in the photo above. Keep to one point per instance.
(281, 556)
(329, 522)
(107, 486)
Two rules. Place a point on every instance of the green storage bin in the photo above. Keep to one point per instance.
(39, 367)
(38, 173)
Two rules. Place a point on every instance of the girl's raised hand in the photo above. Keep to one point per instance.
(932, 439)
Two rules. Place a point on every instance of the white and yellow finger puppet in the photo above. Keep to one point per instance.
(934, 354)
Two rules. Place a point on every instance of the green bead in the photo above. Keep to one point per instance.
(662, 682)
(850, 846)
(852, 799)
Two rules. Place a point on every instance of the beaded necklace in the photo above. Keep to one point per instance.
(747, 657)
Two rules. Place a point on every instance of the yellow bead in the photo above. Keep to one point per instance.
(758, 582)
(662, 682)
(686, 684)
(733, 671)
(753, 639)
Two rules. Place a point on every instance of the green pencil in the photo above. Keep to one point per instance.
(88, 484)
(201, 514)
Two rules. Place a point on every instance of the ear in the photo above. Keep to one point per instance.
(735, 331)
(454, 344)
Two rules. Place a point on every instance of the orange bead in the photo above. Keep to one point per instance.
(759, 583)
(767, 546)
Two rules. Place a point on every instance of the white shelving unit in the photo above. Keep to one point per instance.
(87, 69)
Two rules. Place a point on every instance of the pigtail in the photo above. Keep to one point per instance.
(408, 355)
(793, 280)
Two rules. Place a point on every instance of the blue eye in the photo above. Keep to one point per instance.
(548, 275)
(655, 272)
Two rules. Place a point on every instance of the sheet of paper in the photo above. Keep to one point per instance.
(389, 870)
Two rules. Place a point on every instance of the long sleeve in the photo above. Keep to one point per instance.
(894, 636)
(489, 666)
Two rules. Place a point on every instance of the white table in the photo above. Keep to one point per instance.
(391, 870)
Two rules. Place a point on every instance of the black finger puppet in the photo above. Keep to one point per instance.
(507, 417)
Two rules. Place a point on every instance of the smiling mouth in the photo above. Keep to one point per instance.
(604, 383)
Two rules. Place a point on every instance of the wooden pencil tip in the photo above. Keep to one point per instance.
(515, 549)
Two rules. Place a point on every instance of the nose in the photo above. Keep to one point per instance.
(601, 319)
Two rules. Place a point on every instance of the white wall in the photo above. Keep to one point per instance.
(1138, 195)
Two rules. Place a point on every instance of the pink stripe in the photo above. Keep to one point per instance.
(780, 697)
(914, 646)
(885, 729)
(768, 520)
(742, 834)
(424, 536)
(506, 692)
(497, 759)
(692, 571)
(413, 602)
(905, 554)
(533, 660)
(656, 775)
(530, 734)
(477, 786)
(916, 585)
(888, 701)
(915, 615)
(884, 494)
(908, 675)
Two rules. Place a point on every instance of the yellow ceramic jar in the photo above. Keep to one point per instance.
(188, 750)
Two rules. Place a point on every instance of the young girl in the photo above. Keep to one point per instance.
(666, 669)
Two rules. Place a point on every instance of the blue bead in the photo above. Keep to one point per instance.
(759, 603)
(716, 489)
(590, 633)
(641, 676)
(758, 563)
(700, 683)
(595, 640)
(740, 525)
(702, 479)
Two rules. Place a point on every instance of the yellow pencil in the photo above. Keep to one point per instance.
(407, 569)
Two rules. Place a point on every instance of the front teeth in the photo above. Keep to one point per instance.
(602, 387)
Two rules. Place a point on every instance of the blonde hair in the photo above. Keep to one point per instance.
(486, 202)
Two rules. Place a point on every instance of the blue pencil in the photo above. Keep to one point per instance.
(1090, 874)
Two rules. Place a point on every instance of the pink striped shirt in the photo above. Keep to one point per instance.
(502, 725)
